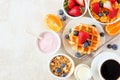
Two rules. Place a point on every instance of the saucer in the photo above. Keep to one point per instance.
(100, 57)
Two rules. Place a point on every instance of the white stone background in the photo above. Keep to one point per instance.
(19, 58)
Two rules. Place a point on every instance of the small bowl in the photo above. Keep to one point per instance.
(71, 69)
(111, 56)
(72, 17)
(56, 46)
(97, 20)
(85, 67)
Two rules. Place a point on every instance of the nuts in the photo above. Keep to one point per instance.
(55, 66)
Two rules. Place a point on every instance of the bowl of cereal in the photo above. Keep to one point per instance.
(61, 66)
(104, 11)
(74, 8)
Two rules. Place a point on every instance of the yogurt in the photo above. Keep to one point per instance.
(49, 42)
(82, 72)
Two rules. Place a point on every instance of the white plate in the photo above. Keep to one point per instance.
(97, 59)
(75, 22)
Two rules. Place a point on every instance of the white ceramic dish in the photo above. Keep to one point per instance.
(97, 20)
(86, 6)
(71, 71)
(58, 44)
(99, 59)
(75, 22)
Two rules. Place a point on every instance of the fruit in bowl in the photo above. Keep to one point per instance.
(104, 11)
(74, 8)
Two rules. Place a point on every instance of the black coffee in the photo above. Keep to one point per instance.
(110, 70)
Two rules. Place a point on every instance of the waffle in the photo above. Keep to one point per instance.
(94, 39)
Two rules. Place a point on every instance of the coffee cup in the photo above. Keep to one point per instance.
(109, 67)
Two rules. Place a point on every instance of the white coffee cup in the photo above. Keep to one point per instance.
(111, 56)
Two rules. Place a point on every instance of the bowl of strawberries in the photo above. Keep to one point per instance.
(104, 11)
(74, 8)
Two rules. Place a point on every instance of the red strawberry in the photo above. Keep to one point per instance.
(71, 4)
(108, 5)
(95, 7)
(75, 11)
(82, 37)
(113, 13)
(81, 2)
(112, 1)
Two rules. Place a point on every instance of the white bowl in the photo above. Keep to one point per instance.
(71, 71)
(58, 44)
(82, 66)
(111, 56)
(86, 6)
(99, 21)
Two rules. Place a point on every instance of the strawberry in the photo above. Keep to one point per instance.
(71, 4)
(112, 1)
(82, 37)
(108, 5)
(81, 2)
(95, 7)
(113, 13)
(75, 11)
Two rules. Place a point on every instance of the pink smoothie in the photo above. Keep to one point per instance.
(48, 43)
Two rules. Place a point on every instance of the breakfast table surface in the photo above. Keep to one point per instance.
(19, 57)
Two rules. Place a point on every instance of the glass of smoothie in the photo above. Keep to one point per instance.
(48, 42)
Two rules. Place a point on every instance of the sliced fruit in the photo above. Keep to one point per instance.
(82, 37)
(71, 4)
(113, 13)
(75, 11)
(95, 7)
(108, 5)
(113, 29)
(81, 2)
(53, 22)
(112, 1)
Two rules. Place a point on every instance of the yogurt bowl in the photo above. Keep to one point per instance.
(48, 42)
(74, 8)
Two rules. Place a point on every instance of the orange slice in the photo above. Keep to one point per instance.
(53, 22)
(113, 29)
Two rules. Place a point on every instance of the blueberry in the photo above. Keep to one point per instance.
(118, 1)
(77, 54)
(63, 75)
(100, 14)
(63, 17)
(66, 36)
(106, 12)
(70, 30)
(93, 25)
(102, 34)
(101, 4)
(62, 65)
(88, 42)
(114, 46)
(109, 46)
(85, 44)
(60, 12)
(57, 70)
(76, 33)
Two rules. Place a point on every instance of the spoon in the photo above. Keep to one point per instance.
(34, 35)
